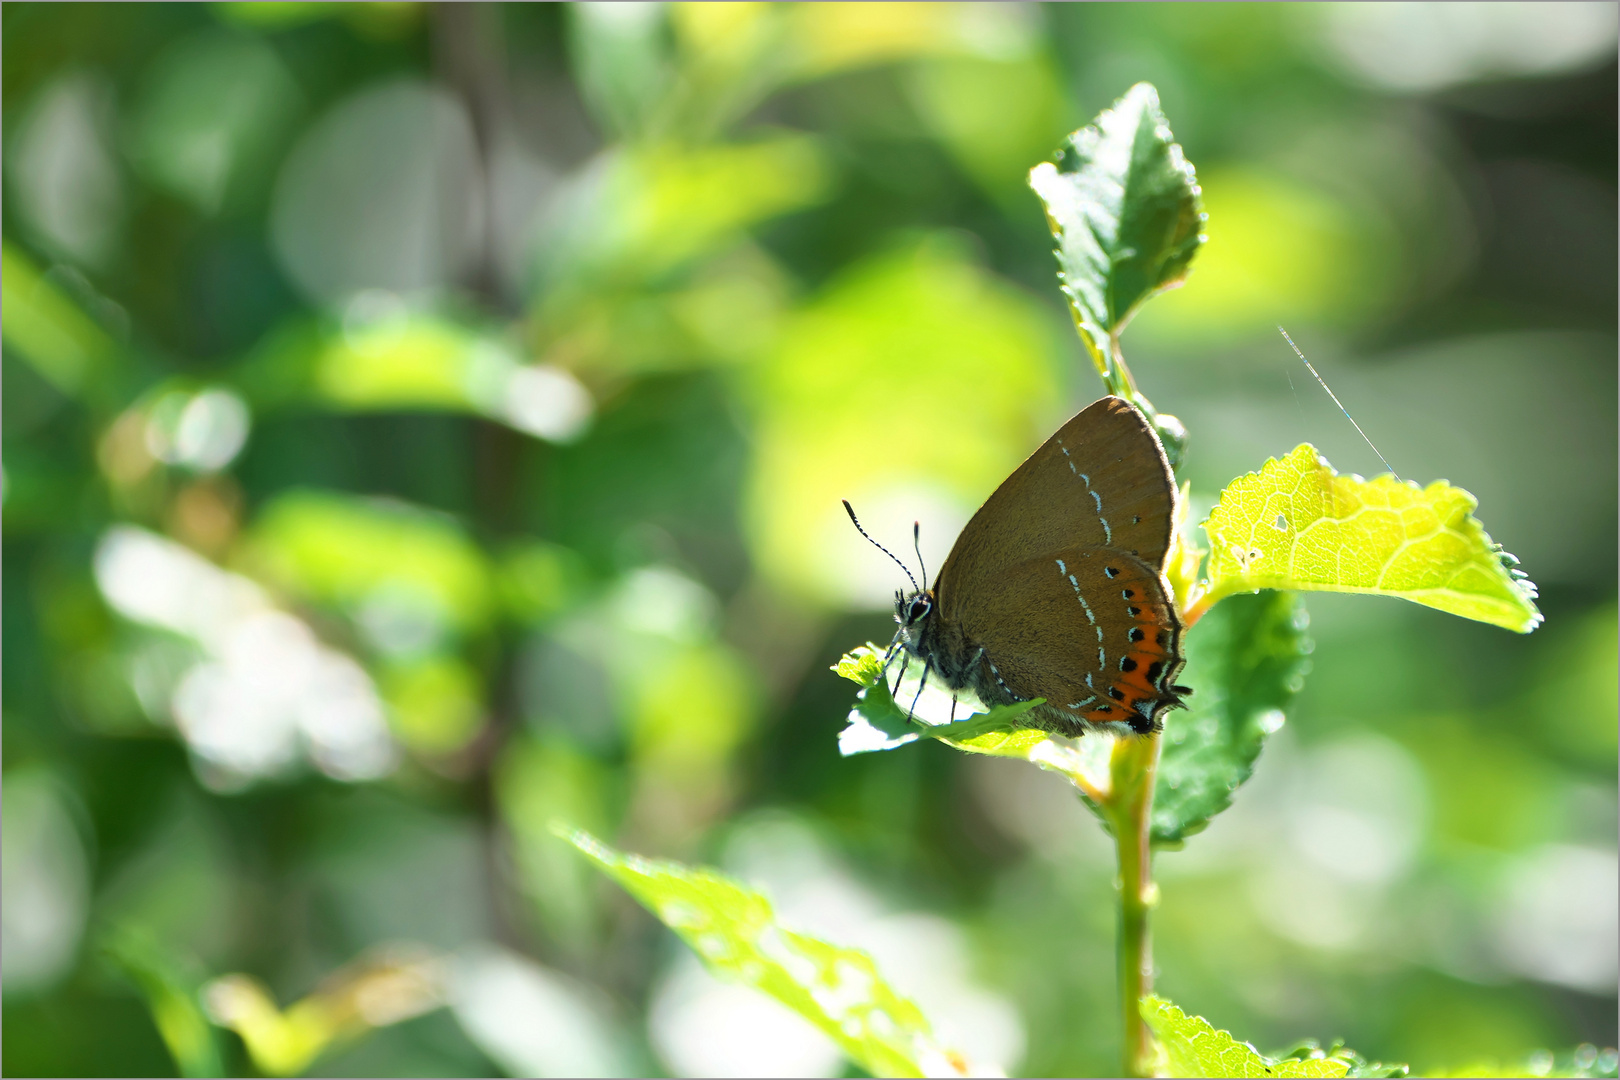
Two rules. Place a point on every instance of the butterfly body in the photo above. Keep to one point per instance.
(1056, 587)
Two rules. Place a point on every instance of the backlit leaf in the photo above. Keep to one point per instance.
(647, 211)
(48, 329)
(349, 552)
(1297, 524)
(396, 360)
(1192, 1046)
(878, 723)
(734, 931)
(1245, 660)
(1126, 210)
(386, 986)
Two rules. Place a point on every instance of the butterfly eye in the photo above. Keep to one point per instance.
(917, 609)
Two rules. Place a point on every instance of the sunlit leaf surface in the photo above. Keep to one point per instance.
(48, 329)
(1297, 524)
(383, 988)
(1245, 660)
(1194, 1047)
(1125, 207)
(878, 723)
(733, 929)
(347, 551)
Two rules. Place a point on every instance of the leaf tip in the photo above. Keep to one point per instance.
(587, 844)
(862, 664)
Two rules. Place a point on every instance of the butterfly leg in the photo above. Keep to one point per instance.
(912, 712)
(893, 650)
(971, 667)
(905, 667)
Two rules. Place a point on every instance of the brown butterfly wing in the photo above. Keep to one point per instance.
(1101, 481)
(1090, 629)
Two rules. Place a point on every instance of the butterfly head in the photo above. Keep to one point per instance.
(911, 611)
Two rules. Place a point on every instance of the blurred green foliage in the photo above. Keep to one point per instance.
(425, 422)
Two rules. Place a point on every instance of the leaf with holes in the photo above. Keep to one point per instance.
(733, 929)
(1192, 1046)
(1125, 208)
(1297, 524)
(1245, 660)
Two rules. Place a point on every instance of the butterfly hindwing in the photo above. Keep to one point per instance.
(1055, 589)
(1092, 630)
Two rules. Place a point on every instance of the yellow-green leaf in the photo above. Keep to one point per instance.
(1194, 1047)
(49, 330)
(1297, 524)
(734, 931)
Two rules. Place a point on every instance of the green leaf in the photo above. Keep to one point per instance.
(1297, 524)
(1192, 1046)
(49, 330)
(171, 995)
(877, 723)
(347, 552)
(1245, 660)
(623, 61)
(1126, 210)
(1360, 1067)
(414, 361)
(344, 1008)
(658, 208)
(734, 931)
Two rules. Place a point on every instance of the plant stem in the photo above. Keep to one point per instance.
(1134, 764)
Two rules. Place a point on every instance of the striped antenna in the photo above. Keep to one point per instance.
(1336, 401)
(850, 510)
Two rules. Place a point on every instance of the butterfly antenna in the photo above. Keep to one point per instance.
(850, 510)
(916, 544)
(1336, 401)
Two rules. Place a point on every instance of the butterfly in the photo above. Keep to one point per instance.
(1056, 588)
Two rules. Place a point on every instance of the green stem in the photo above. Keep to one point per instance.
(1130, 811)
